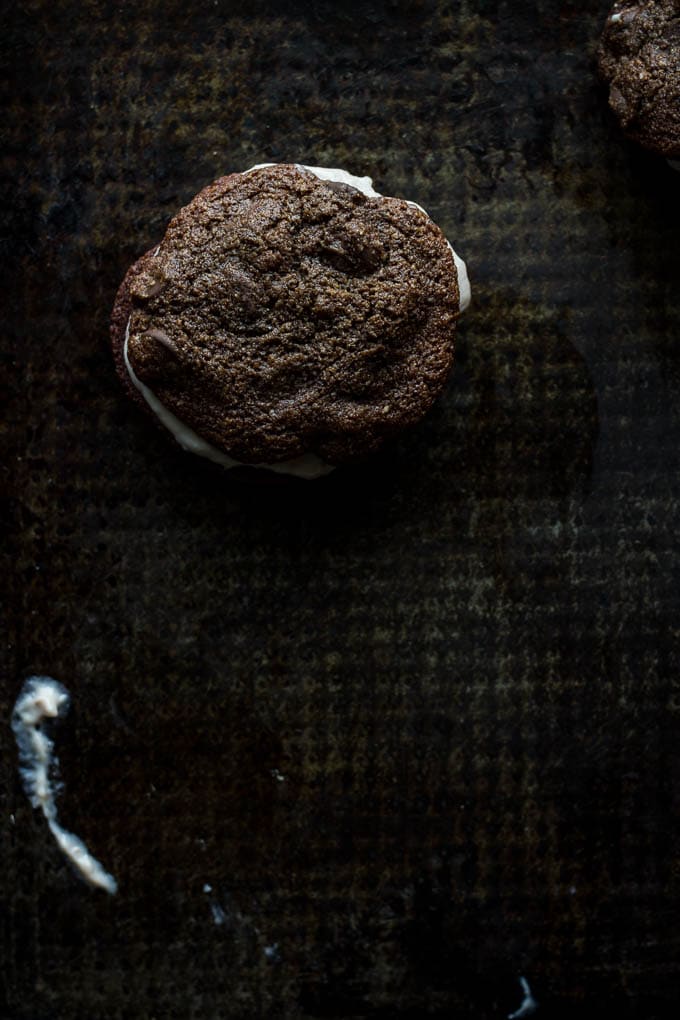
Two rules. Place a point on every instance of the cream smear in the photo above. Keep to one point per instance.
(528, 1004)
(41, 699)
(308, 465)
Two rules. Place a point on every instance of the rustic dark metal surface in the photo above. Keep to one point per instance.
(417, 726)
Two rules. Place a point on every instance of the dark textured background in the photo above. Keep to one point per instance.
(461, 658)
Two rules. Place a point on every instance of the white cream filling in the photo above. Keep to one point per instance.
(528, 1004)
(308, 465)
(43, 698)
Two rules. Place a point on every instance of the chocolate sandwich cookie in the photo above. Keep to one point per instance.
(291, 319)
(639, 58)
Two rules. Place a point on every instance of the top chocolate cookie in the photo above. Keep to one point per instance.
(286, 315)
(639, 57)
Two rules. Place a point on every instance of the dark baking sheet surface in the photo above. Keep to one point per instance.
(416, 726)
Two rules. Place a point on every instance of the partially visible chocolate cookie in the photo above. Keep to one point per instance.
(291, 318)
(639, 57)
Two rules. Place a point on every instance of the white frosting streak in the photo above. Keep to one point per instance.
(43, 698)
(528, 1004)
